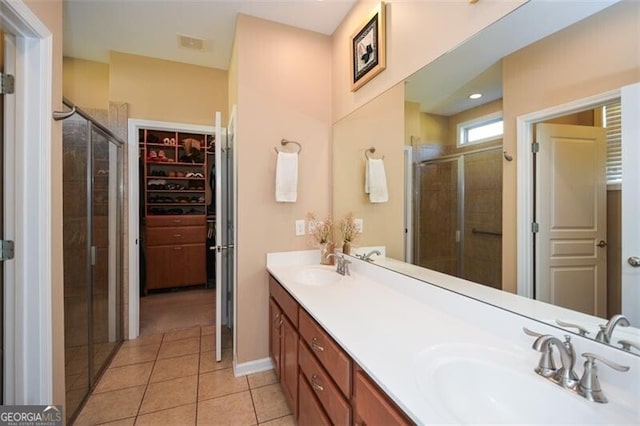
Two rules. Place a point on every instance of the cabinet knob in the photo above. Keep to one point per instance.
(177, 248)
(315, 346)
(177, 235)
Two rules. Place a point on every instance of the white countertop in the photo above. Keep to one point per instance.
(386, 321)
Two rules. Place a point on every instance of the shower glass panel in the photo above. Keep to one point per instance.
(92, 239)
(482, 251)
(76, 259)
(105, 248)
(459, 217)
(437, 246)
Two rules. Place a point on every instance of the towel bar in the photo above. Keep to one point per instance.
(284, 142)
(370, 150)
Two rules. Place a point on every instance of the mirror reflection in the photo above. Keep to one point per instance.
(454, 173)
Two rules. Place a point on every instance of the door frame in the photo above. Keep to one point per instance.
(525, 185)
(133, 194)
(28, 278)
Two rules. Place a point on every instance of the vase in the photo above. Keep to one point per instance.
(325, 250)
(346, 247)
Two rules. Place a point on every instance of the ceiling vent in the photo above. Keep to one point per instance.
(189, 42)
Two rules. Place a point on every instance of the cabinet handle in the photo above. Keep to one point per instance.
(177, 235)
(315, 346)
(317, 386)
(177, 221)
(177, 248)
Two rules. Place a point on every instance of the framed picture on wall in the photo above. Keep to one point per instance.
(368, 53)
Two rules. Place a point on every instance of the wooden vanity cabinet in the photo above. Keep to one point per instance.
(283, 341)
(329, 388)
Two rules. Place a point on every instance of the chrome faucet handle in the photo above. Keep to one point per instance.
(546, 365)
(589, 386)
(628, 344)
(583, 331)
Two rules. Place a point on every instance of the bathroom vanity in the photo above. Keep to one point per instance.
(380, 344)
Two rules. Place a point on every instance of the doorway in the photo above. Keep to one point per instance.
(608, 300)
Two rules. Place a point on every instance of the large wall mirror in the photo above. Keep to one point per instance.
(520, 190)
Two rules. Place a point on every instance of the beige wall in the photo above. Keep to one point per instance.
(50, 13)
(86, 83)
(411, 122)
(574, 63)
(379, 124)
(417, 33)
(161, 90)
(283, 91)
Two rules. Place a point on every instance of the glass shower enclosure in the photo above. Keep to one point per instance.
(92, 241)
(459, 215)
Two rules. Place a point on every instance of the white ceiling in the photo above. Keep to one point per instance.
(149, 27)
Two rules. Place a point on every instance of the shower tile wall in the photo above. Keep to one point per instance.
(482, 254)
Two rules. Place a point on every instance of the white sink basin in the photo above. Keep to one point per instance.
(466, 383)
(317, 275)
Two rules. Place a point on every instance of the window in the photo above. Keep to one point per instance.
(612, 122)
(480, 130)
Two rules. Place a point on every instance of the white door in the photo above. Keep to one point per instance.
(630, 101)
(225, 227)
(571, 213)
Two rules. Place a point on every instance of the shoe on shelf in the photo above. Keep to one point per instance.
(153, 156)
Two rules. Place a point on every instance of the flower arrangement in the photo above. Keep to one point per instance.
(348, 228)
(321, 230)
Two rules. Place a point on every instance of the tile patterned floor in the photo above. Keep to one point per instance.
(173, 379)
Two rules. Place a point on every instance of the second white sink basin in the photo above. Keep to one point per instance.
(467, 383)
(317, 275)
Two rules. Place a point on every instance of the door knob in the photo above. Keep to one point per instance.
(634, 261)
(602, 243)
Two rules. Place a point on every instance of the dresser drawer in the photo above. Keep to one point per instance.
(185, 220)
(156, 236)
(333, 358)
(286, 302)
(334, 403)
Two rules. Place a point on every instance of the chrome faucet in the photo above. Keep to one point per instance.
(606, 330)
(367, 257)
(565, 376)
(342, 264)
(589, 386)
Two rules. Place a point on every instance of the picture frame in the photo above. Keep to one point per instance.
(368, 48)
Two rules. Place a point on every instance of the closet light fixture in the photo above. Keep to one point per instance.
(475, 96)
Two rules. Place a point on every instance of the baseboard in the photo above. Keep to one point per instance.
(251, 367)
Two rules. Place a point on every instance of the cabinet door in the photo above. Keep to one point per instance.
(289, 358)
(162, 270)
(193, 264)
(372, 407)
(311, 412)
(275, 319)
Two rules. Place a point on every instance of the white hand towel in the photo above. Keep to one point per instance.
(287, 177)
(376, 181)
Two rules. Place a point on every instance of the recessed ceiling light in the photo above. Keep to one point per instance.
(475, 96)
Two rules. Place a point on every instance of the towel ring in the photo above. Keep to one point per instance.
(284, 142)
(370, 150)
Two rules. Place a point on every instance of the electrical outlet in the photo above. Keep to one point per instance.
(359, 225)
(300, 227)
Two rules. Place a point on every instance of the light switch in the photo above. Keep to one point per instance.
(300, 227)
(359, 225)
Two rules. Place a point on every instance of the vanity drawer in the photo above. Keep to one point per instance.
(335, 405)
(186, 220)
(331, 356)
(287, 303)
(371, 406)
(175, 235)
(310, 411)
